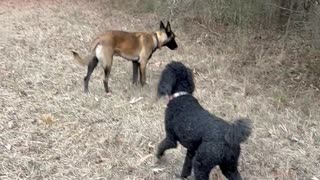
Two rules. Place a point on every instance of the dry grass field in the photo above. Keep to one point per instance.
(50, 129)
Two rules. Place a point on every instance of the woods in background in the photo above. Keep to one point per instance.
(300, 16)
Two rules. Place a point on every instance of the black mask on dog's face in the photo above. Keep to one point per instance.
(170, 42)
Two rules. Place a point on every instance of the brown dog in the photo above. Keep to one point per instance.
(137, 47)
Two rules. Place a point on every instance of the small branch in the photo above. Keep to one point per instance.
(207, 28)
(280, 7)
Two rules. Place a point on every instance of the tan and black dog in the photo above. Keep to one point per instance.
(137, 47)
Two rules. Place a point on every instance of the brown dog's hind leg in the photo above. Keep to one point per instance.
(92, 65)
(135, 68)
(106, 78)
(106, 64)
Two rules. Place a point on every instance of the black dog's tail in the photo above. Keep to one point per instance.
(239, 131)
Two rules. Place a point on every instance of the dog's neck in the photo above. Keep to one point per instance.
(177, 94)
(157, 43)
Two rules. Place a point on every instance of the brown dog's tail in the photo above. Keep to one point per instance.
(239, 131)
(79, 60)
(86, 61)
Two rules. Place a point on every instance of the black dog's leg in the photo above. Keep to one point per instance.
(165, 144)
(201, 168)
(92, 65)
(231, 172)
(135, 68)
(187, 166)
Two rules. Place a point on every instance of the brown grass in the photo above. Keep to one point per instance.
(49, 129)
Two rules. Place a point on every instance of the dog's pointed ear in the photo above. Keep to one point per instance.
(168, 28)
(162, 26)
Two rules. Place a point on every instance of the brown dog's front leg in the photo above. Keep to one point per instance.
(135, 68)
(142, 69)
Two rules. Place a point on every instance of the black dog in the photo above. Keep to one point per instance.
(210, 141)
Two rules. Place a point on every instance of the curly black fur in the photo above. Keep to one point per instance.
(210, 141)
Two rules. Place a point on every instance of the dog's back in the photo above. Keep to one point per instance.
(193, 124)
(125, 43)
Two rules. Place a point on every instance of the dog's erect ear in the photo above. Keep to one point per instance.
(166, 83)
(168, 28)
(162, 26)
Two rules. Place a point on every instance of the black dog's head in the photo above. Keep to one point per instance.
(174, 78)
(170, 41)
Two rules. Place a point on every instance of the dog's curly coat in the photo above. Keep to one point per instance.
(210, 141)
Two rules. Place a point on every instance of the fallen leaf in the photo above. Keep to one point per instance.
(143, 159)
(10, 125)
(8, 146)
(157, 170)
(157, 64)
(47, 119)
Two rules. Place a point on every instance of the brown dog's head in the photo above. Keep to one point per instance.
(168, 38)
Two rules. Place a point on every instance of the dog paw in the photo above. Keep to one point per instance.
(145, 84)
(109, 93)
(158, 155)
(178, 176)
